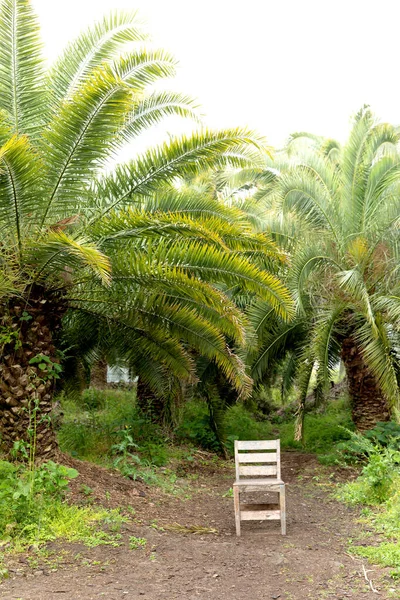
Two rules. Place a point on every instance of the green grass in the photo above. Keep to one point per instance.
(322, 430)
(33, 510)
(378, 487)
(71, 523)
(91, 428)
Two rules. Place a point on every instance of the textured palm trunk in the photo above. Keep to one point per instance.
(149, 404)
(26, 390)
(368, 404)
(98, 375)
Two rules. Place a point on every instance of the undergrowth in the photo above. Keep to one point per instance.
(378, 490)
(107, 428)
(33, 510)
(322, 430)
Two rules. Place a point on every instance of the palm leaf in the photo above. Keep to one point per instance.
(177, 158)
(101, 42)
(22, 91)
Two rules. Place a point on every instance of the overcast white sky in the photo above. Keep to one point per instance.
(277, 66)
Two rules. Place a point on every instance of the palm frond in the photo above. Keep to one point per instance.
(80, 138)
(177, 158)
(22, 90)
(156, 107)
(20, 172)
(210, 264)
(101, 42)
(378, 354)
(60, 253)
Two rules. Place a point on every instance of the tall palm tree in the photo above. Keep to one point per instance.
(78, 245)
(338, 210)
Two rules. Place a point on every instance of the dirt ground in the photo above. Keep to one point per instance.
(311, 561)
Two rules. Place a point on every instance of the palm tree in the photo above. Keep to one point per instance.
(337, 209)
(80, 245)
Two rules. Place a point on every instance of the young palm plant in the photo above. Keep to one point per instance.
(81, 244)
(338, 210)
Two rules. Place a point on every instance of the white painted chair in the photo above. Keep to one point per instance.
(258, 469)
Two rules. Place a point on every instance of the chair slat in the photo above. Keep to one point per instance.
(258, 471)
(255, 486)
(257, 444)
(260, 515)
(258, 457)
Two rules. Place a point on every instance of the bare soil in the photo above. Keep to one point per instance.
(311, 561)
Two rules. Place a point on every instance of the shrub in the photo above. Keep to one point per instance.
(385, 434)
(89, 433)
(23, 491)
(241, 425)
(322, 430)
(386, 518)
(377, 481)
(196, 428)
(33, 509)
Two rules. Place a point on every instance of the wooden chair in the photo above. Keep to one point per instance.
(258, 469)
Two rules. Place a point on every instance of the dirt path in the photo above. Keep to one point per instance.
(310, 562)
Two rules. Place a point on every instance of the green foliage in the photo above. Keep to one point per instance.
(93, 422)
(33, 510)
(153, 454)
(136, 543)
(195, 427)
(377, 481)
(386, 554)
(106, 424)
(335, 209)
(93, 399)
(4, 572)
(8, 336)
(139, 270)
(357, 448)
(385, 434)
(241, 425)
(322, 430)
(360, 447)
(49, 369)
(379, 484)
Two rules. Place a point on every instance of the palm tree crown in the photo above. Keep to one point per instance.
(136, 266)
(337, 208)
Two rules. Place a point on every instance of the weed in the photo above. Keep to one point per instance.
(85, 489)
(4, 574)
(377, 480)
(136, 543)
(32, 512)
(379, 486)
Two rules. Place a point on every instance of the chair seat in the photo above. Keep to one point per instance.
(260, 482)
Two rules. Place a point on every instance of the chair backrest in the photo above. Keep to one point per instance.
(258, 458)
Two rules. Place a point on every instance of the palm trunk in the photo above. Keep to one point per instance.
(98, 375)
(368, 404)
(26, 389)
(148, 403)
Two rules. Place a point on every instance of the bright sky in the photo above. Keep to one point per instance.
(277, 66)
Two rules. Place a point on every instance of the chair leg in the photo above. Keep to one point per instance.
(282, 503)
(236, 503)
